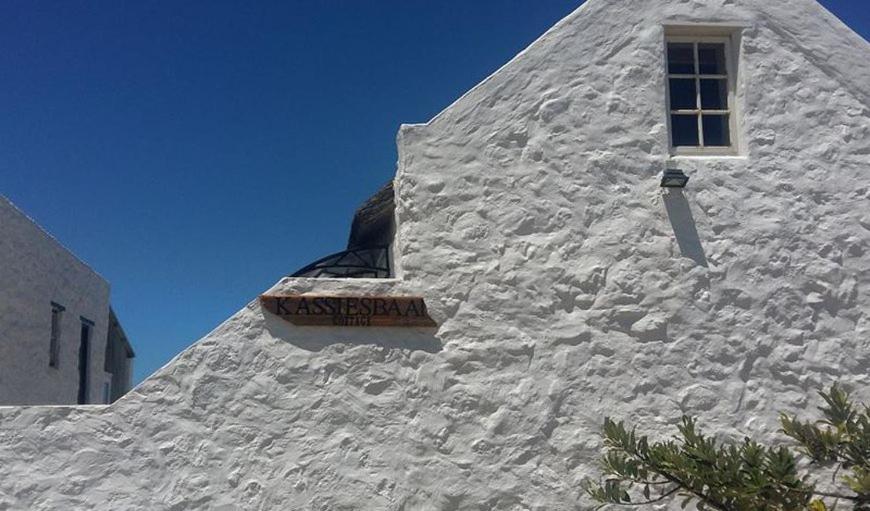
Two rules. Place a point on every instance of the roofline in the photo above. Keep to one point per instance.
(565, 20)
(127, 346)
(833, 19)
(52, 238)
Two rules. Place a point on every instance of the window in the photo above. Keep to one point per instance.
(54, 340)
(701, 95)
(84, 360)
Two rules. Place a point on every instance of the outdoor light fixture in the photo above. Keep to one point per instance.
(674, 178)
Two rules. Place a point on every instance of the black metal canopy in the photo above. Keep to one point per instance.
(363, 263)
(368, 246)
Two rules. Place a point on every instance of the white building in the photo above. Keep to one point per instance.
(567, 285)
(60, 342)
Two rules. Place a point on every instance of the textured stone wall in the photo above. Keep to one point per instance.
(567, 286)
(36, 270)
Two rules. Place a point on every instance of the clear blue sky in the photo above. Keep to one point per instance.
(195, 152)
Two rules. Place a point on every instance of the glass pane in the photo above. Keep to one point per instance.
(711, 58)
(684, 130)
(683, 95)
(681, 58)
(716, 131)
(714, 94)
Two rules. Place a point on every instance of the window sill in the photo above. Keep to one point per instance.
(710, 156)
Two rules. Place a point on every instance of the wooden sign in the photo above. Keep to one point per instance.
(320, 310)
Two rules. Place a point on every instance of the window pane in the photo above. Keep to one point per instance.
(683, 94)
(716, 131)
(681, 58)
(684, 130)
(711, 58)
(714, 94)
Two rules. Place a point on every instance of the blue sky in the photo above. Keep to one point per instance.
(195, 152)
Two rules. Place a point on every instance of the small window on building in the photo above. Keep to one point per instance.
(701, 95)
(54, 340)
(84, 361)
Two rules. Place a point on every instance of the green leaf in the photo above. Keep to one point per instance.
(741, 476)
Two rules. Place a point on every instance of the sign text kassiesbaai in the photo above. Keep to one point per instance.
(320, 310)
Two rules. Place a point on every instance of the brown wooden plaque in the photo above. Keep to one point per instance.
(326, 310)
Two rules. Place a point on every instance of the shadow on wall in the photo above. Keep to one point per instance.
(680, 215)
(316, 338)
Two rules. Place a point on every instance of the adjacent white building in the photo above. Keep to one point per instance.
(60, 342)
(566, 283)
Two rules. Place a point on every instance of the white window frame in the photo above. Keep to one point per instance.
(731, 111)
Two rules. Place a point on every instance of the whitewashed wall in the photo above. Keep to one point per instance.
(566, 286)
(36, 270)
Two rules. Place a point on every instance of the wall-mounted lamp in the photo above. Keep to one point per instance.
(674, 178)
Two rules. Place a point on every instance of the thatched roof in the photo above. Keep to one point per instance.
(373, 222)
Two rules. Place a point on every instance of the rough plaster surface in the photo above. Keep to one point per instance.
(36, 270)
(566, 286)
